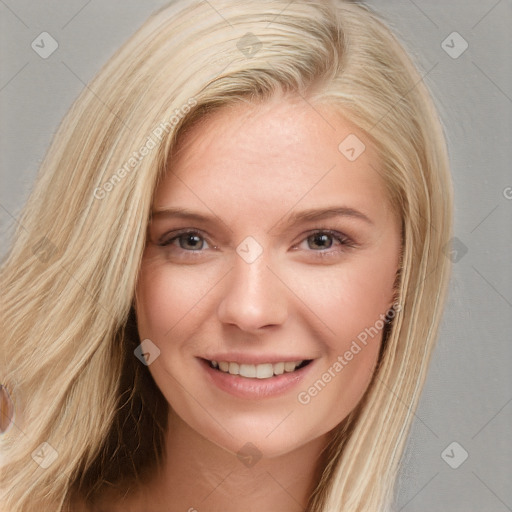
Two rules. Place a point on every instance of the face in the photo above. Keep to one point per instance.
(270, 264)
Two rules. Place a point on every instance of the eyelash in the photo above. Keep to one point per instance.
(343, 241)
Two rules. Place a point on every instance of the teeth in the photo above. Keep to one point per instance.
(248, 370)
(234, 368)
(289, 367)
(278, 368)
(258, 371)
(264, 371)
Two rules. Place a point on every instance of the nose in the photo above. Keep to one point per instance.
(254, 297)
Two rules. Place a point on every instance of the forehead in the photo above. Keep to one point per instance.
(275, 154)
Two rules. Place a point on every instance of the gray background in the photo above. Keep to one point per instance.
(468, 394)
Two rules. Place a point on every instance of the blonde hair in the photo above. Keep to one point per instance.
(67, 325)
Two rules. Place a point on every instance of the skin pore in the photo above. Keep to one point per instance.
(300, 288)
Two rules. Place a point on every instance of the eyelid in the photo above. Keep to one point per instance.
(338, 236)
(342, 239)
(168, 237)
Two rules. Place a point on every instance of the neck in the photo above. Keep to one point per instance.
(198, 475)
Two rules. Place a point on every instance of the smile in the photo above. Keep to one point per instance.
(256, 377)
(258, 371)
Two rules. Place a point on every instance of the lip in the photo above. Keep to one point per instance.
(255, 389)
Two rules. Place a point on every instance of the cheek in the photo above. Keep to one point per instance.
(337, 385)
(347, 299)
(154, 294)
(165, 296)
(337, 388)
(352, 302)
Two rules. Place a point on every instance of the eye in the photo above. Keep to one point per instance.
(191, 241)
(321, 241)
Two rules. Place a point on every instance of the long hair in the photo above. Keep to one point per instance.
(89, 417)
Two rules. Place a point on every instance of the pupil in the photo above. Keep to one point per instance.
(191, 242)
(322, 240)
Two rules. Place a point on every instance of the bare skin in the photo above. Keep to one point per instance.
(316, 285)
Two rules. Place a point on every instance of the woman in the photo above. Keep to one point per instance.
(227, 283)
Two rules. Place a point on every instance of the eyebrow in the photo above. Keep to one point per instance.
(312, 214)
(183, 213)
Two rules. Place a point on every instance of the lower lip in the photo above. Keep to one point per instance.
(247, 388)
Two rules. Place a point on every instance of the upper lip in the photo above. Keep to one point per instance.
(255, 359)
